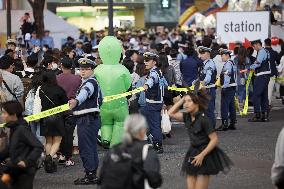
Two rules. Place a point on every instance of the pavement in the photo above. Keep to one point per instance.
(251, 148)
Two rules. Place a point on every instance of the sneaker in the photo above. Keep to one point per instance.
(158, 148)
(61, 160)
(87, 180)
(106, 144)
(69, 163)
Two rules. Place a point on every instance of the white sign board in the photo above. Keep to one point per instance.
(236, 26)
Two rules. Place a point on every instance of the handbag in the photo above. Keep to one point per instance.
(166, 123)
(53, 119)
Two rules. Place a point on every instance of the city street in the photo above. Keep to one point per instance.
(251, 148)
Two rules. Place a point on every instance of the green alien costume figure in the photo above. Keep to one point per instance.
(114, 79)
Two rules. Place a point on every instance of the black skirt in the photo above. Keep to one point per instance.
(52, 126)
(212, 164)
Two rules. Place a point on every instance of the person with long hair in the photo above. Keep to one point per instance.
(170, 75)
(242, 62)
(203, 157)
(52, 127)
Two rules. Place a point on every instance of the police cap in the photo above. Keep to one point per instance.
(224, 51)
(202, 49)
(150, 56)
(12, 42)
(254, 42)
(86, 63)
(79, 41)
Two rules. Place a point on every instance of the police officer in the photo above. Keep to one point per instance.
(228, 85)
(207, 77)
(262, 73)
(154, 100)
(86, 108)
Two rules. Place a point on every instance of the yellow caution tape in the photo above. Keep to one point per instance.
(279, 79)
(118, 96)
(245, 110)
(181, 89)
(45, 113)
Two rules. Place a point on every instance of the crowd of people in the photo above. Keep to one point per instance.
(36, 77)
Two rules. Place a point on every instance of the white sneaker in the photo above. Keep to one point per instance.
(69, 163)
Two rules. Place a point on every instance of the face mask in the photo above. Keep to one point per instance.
(180, 50)
(54, 66)
(44, 49)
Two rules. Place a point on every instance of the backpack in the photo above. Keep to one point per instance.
(118, 170)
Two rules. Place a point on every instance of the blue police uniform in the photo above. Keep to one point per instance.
(260, 86)
(47, 40)
(228, 84)
(89, 97)
(154, 104)
(208, 75)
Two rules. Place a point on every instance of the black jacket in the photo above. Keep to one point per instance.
(23, 145)
(150, 168)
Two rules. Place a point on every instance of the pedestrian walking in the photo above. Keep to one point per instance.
(204, 158)
(24, 148)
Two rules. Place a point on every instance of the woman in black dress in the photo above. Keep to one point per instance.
(203, 158)
(52, 127)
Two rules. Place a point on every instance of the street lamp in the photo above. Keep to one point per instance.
(110, 17)
(8, 18)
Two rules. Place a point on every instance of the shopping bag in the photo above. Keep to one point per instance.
(166, 123)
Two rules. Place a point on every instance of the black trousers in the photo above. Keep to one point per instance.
(66, 146)
(281, 91)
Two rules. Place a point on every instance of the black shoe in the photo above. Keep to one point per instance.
(232, 126)
(264, 116)
(49, 165)
(169, 135)
(255, 118)
(158, 148)
(224, 126)
(87, 180)
(105, 144)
